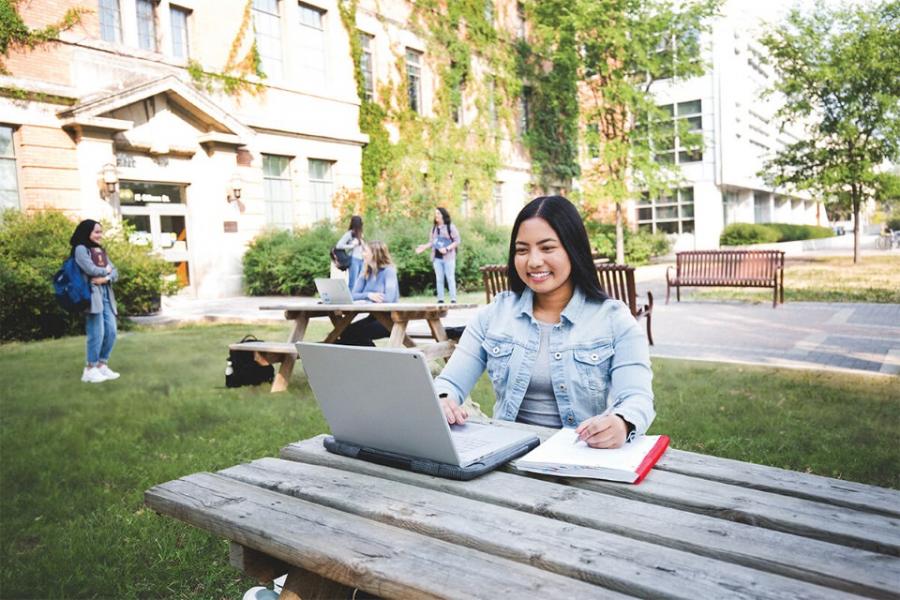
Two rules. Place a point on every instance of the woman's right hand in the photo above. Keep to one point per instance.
(99, 280)
(456, 413)
(421, 248)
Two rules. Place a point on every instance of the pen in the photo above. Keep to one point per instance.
(605, 413)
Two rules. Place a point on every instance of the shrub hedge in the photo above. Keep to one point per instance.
(741, 234)
(32, 248)
(640, 246)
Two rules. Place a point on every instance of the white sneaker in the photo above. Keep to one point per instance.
(92, 375)
(107, 372)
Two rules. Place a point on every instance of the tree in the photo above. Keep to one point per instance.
(622, 47)
(838, 70)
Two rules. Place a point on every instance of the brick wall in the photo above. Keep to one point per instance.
(48, 170)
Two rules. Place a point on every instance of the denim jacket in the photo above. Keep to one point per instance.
(598, 356)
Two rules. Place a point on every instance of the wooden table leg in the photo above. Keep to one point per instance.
(397, 327)
(283, 376)
(340, 324)
(305, 585)
(437, 329)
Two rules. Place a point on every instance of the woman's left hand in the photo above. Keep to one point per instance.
(376, 297)
(607, 431)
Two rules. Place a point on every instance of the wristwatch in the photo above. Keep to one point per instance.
(629, 434)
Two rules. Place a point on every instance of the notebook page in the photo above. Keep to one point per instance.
(561, 449)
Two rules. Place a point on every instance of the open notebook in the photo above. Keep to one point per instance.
(561, 455)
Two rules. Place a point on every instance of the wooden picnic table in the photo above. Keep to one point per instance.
(394, 316)
(696, 527)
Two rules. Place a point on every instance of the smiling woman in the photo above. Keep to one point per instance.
(559, 352)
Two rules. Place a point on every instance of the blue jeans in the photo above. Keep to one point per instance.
(444, 267)
(101, 332)
(356, 265)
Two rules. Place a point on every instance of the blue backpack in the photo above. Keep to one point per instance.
(72, 291)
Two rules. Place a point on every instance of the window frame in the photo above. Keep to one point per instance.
(414, 80)
(10, 158)
(151, 36)
(185, 38)
(679, 152)
(316, 74)
(268, 61)
(316, 183)
(287, 183)
(367, 65)
(679, 200)
(103, 8)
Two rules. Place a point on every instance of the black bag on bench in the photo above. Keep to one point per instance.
(241, 369)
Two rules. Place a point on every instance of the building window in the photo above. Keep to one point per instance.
(414, 79)
(684, 124)
(321, 185)
(523, 111)
(761, 205)
(267, 26)
(312, 45)
(367, 66)
(498, 203)
(146, 24)
(178, 17)
(9, 186)
(110, 21)
(670, 213)
(279, 201)
(456, 97)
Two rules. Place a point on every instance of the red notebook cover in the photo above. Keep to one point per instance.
(658, 448)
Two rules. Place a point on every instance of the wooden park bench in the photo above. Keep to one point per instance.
(728, 268)
(616, 280)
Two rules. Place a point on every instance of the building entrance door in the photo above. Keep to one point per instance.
(159, 216)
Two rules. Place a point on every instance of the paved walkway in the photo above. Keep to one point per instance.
(861, 338)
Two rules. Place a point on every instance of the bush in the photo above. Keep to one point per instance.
(741, 234)
(33, 247)
(894, 224)
(287, 263)
(640, 245)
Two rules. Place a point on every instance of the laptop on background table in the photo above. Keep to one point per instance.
(382, 407)
(333, 291)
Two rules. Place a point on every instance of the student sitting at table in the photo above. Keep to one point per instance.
(559, 352)
(376, 283)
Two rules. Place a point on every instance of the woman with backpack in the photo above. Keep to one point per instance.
(443, 243)
(352, 243)
(100, 324)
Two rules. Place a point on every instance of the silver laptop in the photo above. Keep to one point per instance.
(333, 291)
(382, 406)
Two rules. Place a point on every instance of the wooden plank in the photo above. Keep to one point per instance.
(255, 564)
(826, 564)
(351, 550)
(340, 324)
(612, 561)
(265, 347)
(305, 585)
(790, 483)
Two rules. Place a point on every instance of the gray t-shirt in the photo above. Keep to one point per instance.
(539, 404)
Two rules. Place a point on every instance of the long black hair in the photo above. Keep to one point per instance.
(82, 235)
(563, 217)
(445, 215)
(356, 226)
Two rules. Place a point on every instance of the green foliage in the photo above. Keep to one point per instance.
(838, 70)
(15, 34)
(32, 248)
(640, 246)
(287, 262)
(894, 224)
(740, 234)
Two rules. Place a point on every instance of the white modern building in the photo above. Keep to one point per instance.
(721, 185)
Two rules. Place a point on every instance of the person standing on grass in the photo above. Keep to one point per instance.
(100, 324)
(443, 243)
(559, 351)
(377, 283)
(352, 241)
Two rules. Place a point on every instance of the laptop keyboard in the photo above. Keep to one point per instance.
(466, 443)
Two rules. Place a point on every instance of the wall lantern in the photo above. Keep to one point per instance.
(110, 178)
(234, 188)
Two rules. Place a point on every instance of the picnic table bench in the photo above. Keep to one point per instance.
(616, 280)
(697, 527)
(728, 268)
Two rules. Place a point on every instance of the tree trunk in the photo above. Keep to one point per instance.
(855, 201)
(620, 236)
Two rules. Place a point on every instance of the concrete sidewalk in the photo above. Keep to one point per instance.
(860, 338)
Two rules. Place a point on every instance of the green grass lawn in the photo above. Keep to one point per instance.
(876, 278)
(75, 458)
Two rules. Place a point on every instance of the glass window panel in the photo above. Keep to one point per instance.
(6, 142)
(267, 25)
(667, 109)
(269, 6)
(694, 123)
(686, 195)
(9, 199)
(687, 210)
(413, 80)
(312, 45)
(689, 156)
(7, 174)
(687, 226)
(668, 227)
(645, 214)
(311, 17)
(666, 158)
(173, 232)
(179, 20)
(110, 21)
(666, 212)
(366, 65)
(141, 236)
(320, 169)
(275, 166)
(140, 193)
(689, 108)
(646, 227)
(146, 22)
